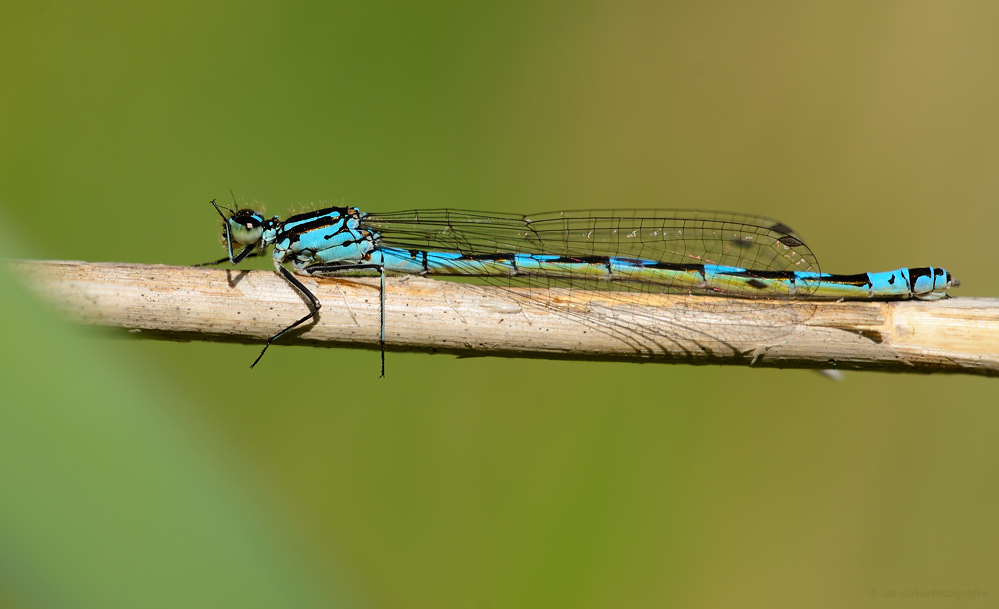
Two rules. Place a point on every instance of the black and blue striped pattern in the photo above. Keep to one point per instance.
(651, 252)
(642, 250)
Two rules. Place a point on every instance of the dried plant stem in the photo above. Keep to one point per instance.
(959, 335)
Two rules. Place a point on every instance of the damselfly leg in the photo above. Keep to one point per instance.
(324, 269)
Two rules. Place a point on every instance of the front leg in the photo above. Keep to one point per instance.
(246, 253)
(314, 306)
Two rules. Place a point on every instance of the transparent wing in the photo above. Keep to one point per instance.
(665, 236)
(681, 237)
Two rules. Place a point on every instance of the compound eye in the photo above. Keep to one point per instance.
(246, 228)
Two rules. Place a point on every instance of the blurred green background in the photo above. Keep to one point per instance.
(158, 474)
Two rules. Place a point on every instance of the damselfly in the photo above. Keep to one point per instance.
(640, 251)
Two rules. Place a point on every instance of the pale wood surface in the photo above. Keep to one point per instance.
(958, 335)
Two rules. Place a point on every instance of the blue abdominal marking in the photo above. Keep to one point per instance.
(640, 251)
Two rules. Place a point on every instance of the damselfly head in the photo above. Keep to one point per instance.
(243, 226)
(246, 226)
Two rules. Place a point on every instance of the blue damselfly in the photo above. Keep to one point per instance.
(638, 251)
